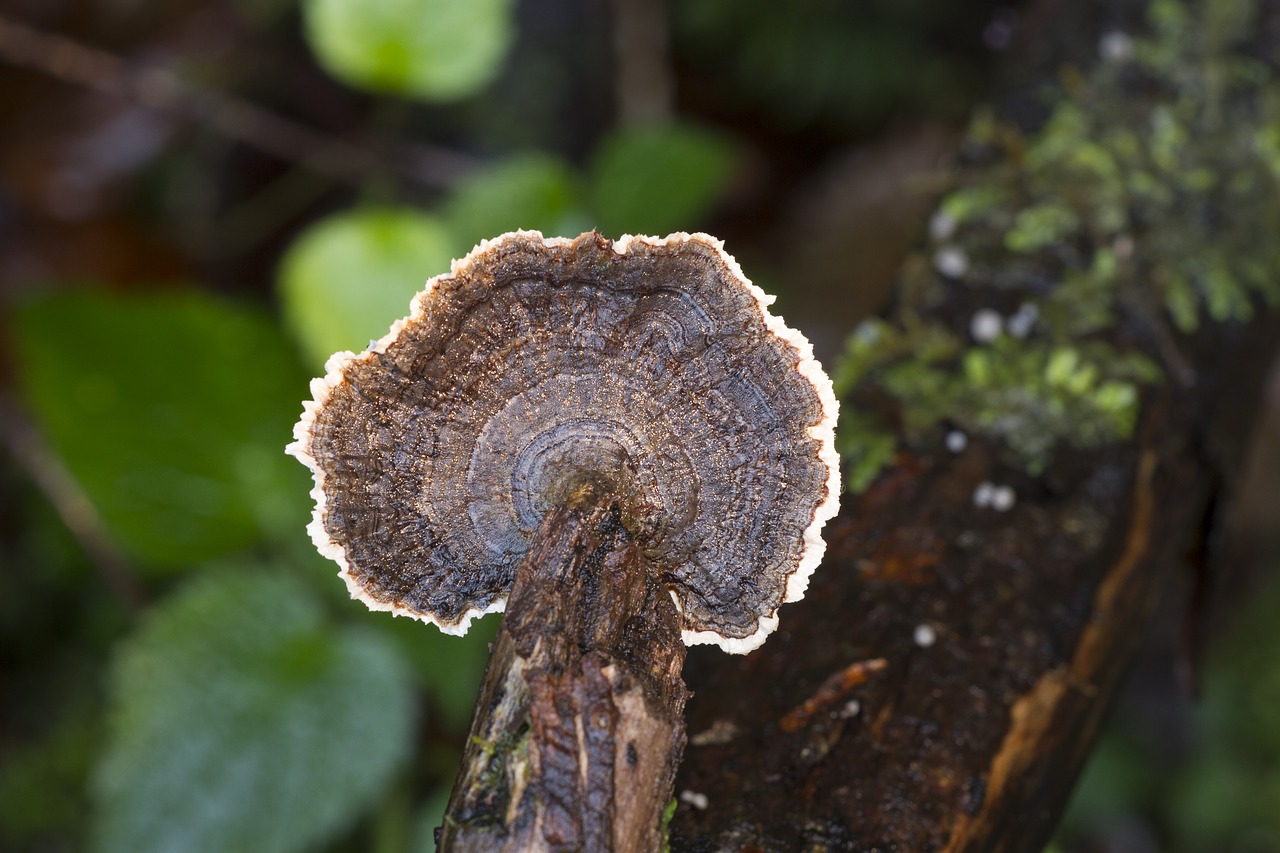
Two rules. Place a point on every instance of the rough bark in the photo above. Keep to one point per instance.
(950, 668)
(975, 741)
(579, 725)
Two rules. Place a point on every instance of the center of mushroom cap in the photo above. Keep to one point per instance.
(567, 439)
(569, 462)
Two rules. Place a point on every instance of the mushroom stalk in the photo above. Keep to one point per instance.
(579, 725)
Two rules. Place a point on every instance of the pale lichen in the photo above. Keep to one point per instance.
(1147, 201)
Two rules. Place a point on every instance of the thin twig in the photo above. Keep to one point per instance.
(163, 90)
(51, 476)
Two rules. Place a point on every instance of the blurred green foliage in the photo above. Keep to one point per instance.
(1135, 152)
(825, 61)
(438, 50)
(659, 179)
(533, 192)
(347, 278)
(183, 466)
(243, 720)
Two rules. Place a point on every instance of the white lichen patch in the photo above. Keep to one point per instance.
(951, 261)
(695, 799)
(1003, 498)
(990, 495)
(985, 325)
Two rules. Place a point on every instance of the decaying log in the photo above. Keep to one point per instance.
(949, 670)
(579, 725)
(999, 641)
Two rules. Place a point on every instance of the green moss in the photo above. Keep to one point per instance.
(1149, 198)
(1041, 225)
(866, 445)
(668, 812)
(1030, 394)
(509, 753)
(971, 202)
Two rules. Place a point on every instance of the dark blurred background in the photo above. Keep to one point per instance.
(201, 199)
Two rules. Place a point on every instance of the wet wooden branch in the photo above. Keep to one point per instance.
(944, 680)
(580, 721)
(951, 666)
(163, 89)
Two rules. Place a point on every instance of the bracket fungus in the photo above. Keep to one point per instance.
(647, 368)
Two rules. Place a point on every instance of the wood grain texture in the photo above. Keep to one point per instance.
(949, 671)
(579, 725)
(972, 743)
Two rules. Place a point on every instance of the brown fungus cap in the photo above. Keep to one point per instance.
(650, 368)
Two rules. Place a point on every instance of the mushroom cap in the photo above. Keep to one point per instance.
(650, 368)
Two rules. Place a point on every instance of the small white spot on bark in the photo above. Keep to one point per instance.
(924, 635)
(721, 731)
(1003, 498)
(985, 325)
(867, 332)
(851, 709)
(693, 798)
(951, 261)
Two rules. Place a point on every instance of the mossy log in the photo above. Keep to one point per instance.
(1003, 637)
(949, 670)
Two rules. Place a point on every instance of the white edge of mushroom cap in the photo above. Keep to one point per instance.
(823, 432)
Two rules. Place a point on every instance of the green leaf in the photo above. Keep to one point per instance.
(533, 192)
(660, 178)
(242, 720)
(866, 447)
(971, 202)
(437, 50)
(1117, 779)
(1225, 295)
(348, 278)
(171, 410)
(1041, 225)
